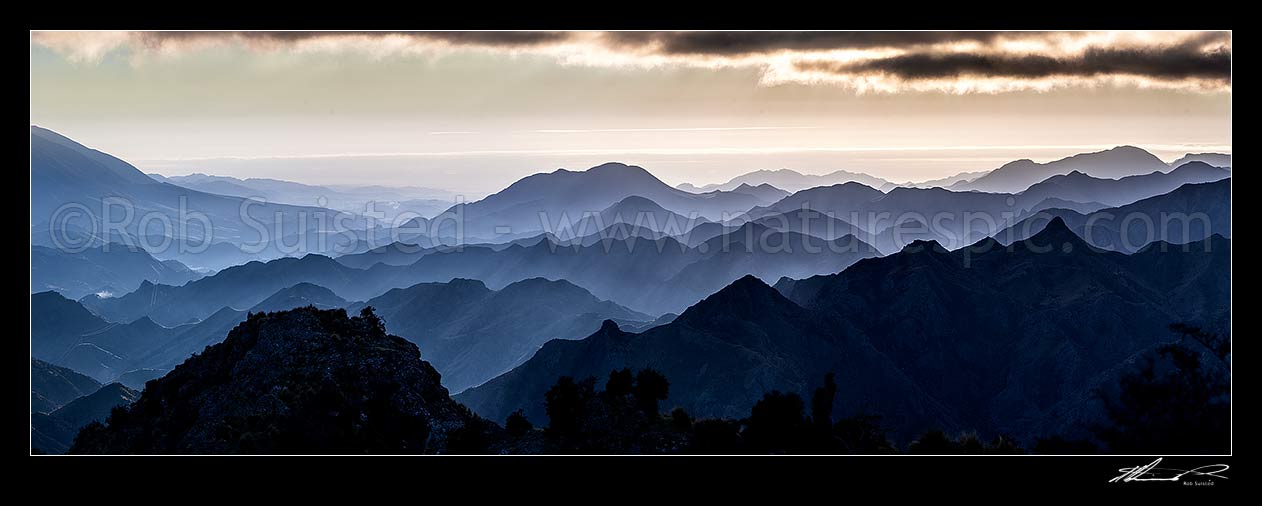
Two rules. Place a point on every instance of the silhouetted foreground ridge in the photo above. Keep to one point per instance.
(298, 381)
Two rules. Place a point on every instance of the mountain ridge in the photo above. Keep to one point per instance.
(917, 336)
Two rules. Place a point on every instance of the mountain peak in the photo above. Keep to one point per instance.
(536, 283)
(144, 322)
(615, 167)
(741, 300)
(919, 245)
(1196, 165)
(777, 171)
(1019, 163)
(472, 283)
(636, 202)
(1211, 159)
(608, 326)
(1057, 225)
(1124, 152)
(1057, 235)
(987, 243)
(58, 157)
(305, 286)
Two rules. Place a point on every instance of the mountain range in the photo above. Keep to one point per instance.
(86, 195)
(241, 287)
(108, 269)
(548, 201)
(1192, 212)
(637, 211)
(788, 180)
(53, 386)
(959, 218)
(1112, 163)
(996, 301)
(988, 338)
(1012, 177)
(65, 333)
(54, 432)
(471, 333)
(652, 276)
(391, 201)
(1078, 187)
(1214, 159)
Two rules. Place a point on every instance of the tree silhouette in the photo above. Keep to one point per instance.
(620, 383)
(566, 404)
(1057, 445)
(517, 424)
(680, 419)
(1178, 400)
(715, 437)
(776, 424)
(822, 404)
(863, 434)
(369, 315)
(471, 438)
(934, 442)
(1003, 445)
(1217, 344)
(970, 444)
(650, 387)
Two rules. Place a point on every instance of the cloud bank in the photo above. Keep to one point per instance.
(883, 62)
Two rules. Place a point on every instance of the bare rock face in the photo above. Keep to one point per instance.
(298, 381)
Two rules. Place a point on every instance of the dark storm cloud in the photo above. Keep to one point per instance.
(1182, 61)
(737, 43)
(921, 60)
(496, 39)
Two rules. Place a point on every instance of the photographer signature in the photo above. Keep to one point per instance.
(1151, 472)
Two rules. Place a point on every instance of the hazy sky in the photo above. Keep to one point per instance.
(476, 111)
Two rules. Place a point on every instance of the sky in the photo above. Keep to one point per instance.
(475, 111)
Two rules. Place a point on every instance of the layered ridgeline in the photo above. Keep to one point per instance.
(891, 220)
(104, 189)
(600, 201)
(297, 381)
(55, 431)
(242, 287)
(1192, 212)
(530, 205)
(788, 180)
(653, 276)
(1113, 163)
(987, 338)
(390, 201)
(1079, 187)
(53, 386)
(1215, 159)
(107, 269)
(470, 332)
(63, 401)
(765, 192)
(1012, 177)
(65, 333)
